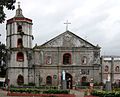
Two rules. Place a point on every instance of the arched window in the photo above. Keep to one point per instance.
(67, 58)
(19, 42)
(49, 80)
(20, 80)
(117, 68)
(19, 29)
(20, 56)
(106, 68)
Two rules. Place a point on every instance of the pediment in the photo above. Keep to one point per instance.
(67, 39)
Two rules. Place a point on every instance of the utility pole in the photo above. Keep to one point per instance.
(112, 69)
(0, 55)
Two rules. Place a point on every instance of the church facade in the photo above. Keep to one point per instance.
(70, 53)
(44, 64)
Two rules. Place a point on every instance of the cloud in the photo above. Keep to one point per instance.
(97, 20)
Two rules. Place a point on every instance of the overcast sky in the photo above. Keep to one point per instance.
(98, 21)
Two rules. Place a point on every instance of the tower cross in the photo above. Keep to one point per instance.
(18, 4)
(67, 23)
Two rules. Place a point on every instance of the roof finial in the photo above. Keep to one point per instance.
(67, 24)
(19, 11)
(18, 4)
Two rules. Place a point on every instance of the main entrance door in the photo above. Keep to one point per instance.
(69, 81)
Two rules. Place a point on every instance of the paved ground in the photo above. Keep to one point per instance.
(77, 93)
(3, 93)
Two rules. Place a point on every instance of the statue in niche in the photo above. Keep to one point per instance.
(49, 60)
(96, 58)
(84, 60)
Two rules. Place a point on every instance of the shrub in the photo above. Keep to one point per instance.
(38, 91)
(12, 86)
(85, 83)
(31, 84)
(96, 84)
(56, 92)
(105, 93)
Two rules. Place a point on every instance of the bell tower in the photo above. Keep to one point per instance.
(19, 45)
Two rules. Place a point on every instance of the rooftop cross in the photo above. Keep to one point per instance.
(19, 11)
(18, 4)
(67, 23)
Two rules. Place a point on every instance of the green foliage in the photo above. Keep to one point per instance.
(12, 86)
(3, 55)
(9, 4)
(31, 84)
(47, 87)
(26, 90)
(28, 85)
(38, 91)
(56, 92)
(85, 83)
(106, 93)
(116, 89)
(85, 93)
(96, 84)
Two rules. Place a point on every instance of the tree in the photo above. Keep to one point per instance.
(2, 60)
(9, 4)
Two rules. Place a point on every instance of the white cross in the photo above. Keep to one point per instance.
(67, 24)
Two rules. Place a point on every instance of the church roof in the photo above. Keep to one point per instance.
(67, 39)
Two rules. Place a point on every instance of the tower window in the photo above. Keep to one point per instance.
(19, 42)
(20, 56)
(19, 28)
(67, 58)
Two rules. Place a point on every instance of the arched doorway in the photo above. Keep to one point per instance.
(20, 80)
(49, 80)
(69, 81)
(84, 81)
